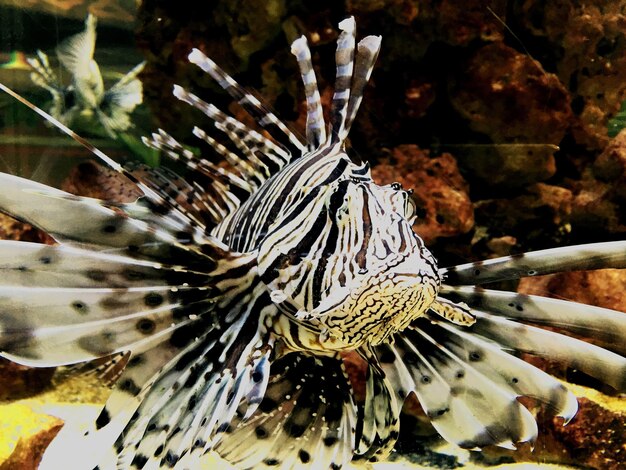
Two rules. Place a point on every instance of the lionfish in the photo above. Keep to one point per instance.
(232, 295)
(86, 95)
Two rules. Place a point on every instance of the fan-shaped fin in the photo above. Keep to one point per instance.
(465, 406)
(66, 326)
(34, 264)
(604, 365)
(306, 418)
(606, 327)
(570, 258)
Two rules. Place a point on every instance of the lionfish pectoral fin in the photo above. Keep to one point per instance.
(457, 313)
(472, 404)
(306, 417)
(607, 327)
(570, 258)
(178, 395)
(379, 423)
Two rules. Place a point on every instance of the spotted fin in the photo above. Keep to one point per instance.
(606, 327)
(570, 258)
(465, 404)
(306, 418)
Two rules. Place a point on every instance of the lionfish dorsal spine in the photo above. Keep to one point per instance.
(260, 153)
(249, 102)
(367, 53)
(315, 124)
(344, 59)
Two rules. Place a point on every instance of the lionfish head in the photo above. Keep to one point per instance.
(354, 269)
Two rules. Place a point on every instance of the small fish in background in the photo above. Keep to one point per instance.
(86, 96)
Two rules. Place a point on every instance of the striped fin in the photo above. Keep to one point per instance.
(367, 53)
(249, 102)
(262, 157)
(606, 327)
(380, 422)
(315, 125)
(306, 418)
(571, 258)
(69, 325)
(344, 58)
(194, 397)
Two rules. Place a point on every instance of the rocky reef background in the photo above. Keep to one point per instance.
(497, 113)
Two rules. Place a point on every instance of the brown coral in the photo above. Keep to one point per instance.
(510, 97)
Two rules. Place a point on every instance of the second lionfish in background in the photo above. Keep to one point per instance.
(85, 96)
(233, 294)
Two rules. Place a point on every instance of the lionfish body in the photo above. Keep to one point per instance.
(232, 294)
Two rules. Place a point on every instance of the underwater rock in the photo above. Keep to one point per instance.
(23, 445)
(538, 216)
(585, 43)
(440, 192)
(12, 229)
(509, 97)
(599, 203)
(19, 381)
(518, 165)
